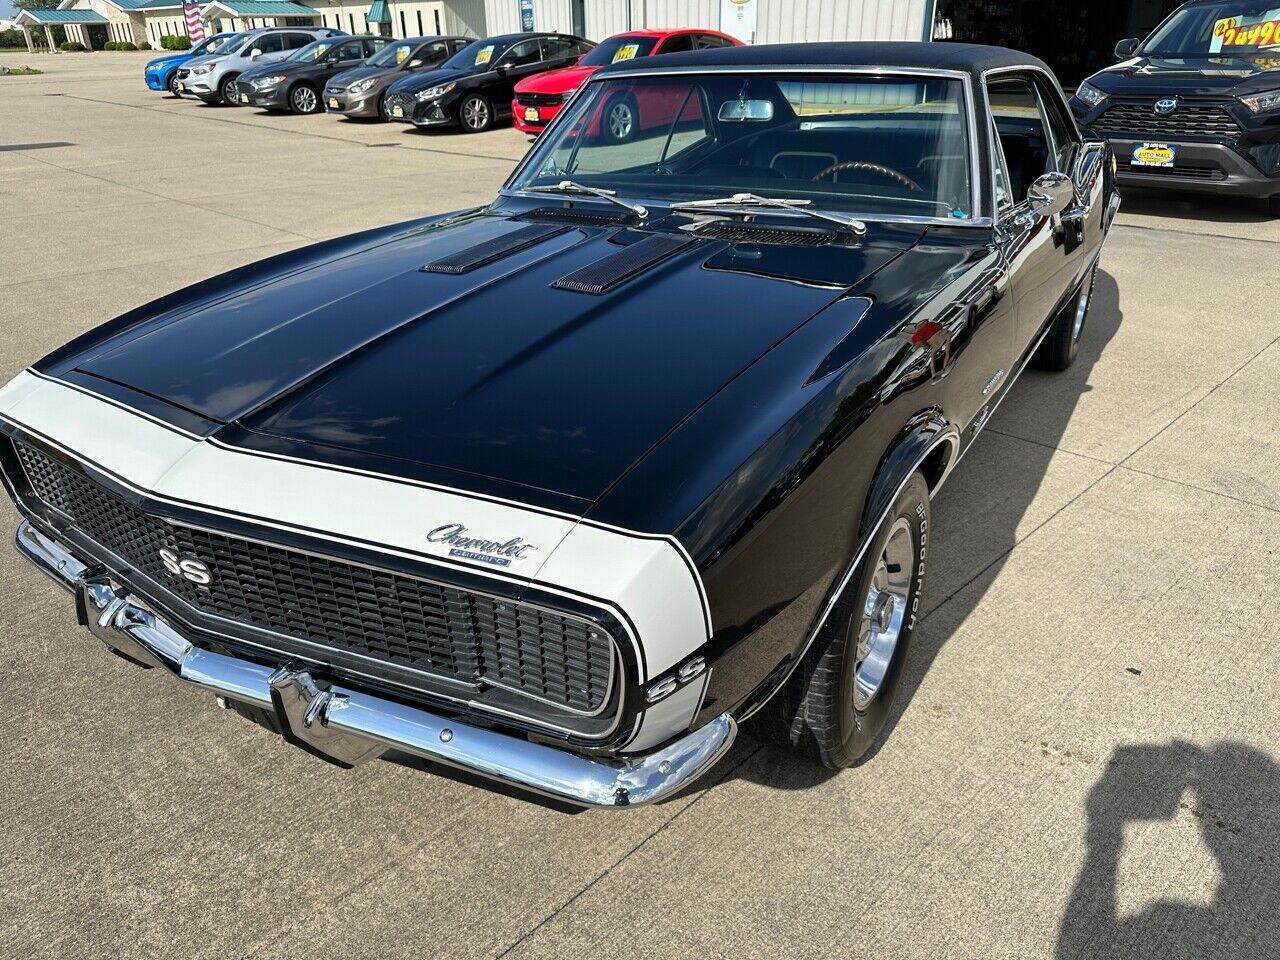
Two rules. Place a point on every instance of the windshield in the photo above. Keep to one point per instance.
(476, 54)
(617, 49)
(896, 146)
(392, 55)
(237, 43)
(1233, 27)
(214, 44)
(311, 52)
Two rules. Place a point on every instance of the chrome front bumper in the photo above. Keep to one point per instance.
(349, 727)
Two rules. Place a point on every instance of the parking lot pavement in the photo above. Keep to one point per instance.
(1086, 763)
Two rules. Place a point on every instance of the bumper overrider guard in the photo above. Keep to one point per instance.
(349, 727)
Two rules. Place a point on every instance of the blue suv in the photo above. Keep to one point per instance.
(162, 72)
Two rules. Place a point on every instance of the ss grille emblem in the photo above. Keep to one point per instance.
(186, 567)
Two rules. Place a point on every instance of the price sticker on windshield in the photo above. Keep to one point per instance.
(402, 54)
(1258, 32)
(483, 56)
(627, 51)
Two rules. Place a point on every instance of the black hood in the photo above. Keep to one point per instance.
(432, 78)
(1195, 76)
(502, 359)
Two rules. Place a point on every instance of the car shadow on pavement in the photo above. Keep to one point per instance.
(1191, 206)
(1228, 791)
(970, 546)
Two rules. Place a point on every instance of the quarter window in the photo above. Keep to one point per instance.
(678, 44)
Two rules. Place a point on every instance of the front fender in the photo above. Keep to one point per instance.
(928, 443)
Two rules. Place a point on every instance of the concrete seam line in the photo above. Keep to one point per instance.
(1188, 233)
(1017, 543)
(527, 935)
(1212, 390)
(1049, 446)
(1192, 486)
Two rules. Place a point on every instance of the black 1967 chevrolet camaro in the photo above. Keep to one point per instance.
(560, 490)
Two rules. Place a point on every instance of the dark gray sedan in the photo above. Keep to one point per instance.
(359, 92)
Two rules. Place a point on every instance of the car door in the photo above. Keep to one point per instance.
(521, 60)
(430, 55)
(271, 48)
(1044, 253)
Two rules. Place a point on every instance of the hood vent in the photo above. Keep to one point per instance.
(604, 275)
(750, 233)
(483, 254)
(576, 215)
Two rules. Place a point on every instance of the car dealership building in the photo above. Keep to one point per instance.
(1075, 38)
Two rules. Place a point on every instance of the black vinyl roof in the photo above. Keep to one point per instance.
(965, 57)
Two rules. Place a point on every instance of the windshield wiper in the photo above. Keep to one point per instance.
(725, 205)
(568, 186)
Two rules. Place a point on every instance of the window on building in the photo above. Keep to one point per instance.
(404, 32)
(439, 32)
(351, 19)
(420, 30)
(578, 14)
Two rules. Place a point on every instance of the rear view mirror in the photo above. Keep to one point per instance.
(1125, 48)
(746, 111)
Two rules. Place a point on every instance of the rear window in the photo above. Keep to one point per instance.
(617, 49)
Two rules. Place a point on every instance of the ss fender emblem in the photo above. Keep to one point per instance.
(188, 568)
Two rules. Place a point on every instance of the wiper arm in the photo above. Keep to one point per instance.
(568, 186)
(855, 226)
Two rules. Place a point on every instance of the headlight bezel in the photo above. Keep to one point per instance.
(436, 92)
(1089, 94)
(1262, 102)
(272, 80)
(364, 86)
(201, 69)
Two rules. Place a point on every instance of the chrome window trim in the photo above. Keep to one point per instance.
(177, 602)
(978, 218)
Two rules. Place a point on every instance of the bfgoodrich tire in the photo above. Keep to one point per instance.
(834, 708)
(1062, 342)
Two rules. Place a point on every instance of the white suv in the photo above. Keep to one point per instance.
(213, 79)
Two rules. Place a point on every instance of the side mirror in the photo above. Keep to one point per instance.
(501, 69)
(1050, 195)
(1125, 48)
(414, 65)
(255, 53)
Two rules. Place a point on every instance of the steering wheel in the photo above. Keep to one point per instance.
(884, 171)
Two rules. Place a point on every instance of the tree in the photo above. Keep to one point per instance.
(36, 4)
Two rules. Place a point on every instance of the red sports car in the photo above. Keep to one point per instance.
(540, 97)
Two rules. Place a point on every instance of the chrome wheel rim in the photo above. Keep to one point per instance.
(620, 121)
(1082, 308)
(475, 113)
(304, 98)
(883, 614)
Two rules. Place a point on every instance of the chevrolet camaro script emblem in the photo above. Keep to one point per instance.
(495, 552)
(1166, 106)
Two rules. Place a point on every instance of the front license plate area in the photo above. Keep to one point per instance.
(333, 103)
(244, 98)
(531, 114)
(397, 111)
(1153, 155)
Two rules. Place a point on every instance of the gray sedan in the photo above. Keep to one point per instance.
(359, 92)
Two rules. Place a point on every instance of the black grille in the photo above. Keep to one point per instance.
(1185, 173)
(400, 100)
(539, 99)
(1191, 120)
(402, 621)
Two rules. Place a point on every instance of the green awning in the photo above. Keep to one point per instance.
(60, 16)
(257, 8)
(379, 12)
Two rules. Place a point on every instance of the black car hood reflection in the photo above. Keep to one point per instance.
(493, 371)
(432, 78)
(1192, 76)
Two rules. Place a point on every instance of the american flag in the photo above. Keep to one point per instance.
(195, 26)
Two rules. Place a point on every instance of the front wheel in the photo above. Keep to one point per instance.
(475, 114)
(620, 119)
(227, 91)
(304, 99)
(835, 707)
(1062, 342)
(171, 83)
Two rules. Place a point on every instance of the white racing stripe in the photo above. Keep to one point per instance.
(645, 578)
